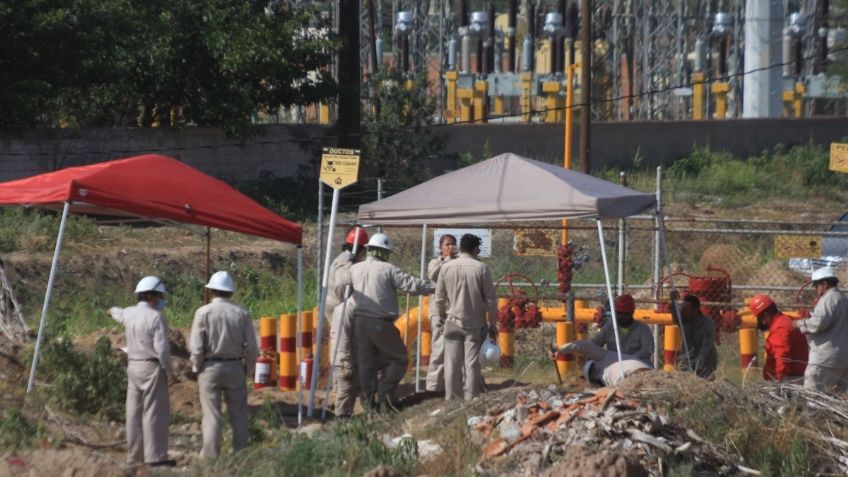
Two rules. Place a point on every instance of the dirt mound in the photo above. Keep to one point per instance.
(579, 461)
(70, 461)
(726, 257)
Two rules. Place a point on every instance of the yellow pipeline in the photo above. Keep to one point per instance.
(671, 346)
(747, 346)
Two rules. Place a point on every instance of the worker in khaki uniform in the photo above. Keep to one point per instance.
(148, 371)
(827, 334)
(436, 368)
(375, 284)
(345, 371)
(602, 366)
(636, 338)
(345, 379)
(465, 294)
(223, 353)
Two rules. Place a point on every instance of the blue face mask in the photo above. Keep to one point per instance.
(161, 304)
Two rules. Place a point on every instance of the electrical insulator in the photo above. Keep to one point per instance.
(452, 47)
(526, 54)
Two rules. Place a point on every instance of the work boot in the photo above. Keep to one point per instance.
(389, 405)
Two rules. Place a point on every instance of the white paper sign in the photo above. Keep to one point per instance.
(484, 234)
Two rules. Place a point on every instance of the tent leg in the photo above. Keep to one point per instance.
(47, 294)
(609, 295)
(420, 313)
(322, 303)
(675, 310)
(299, 331)
(333, 362)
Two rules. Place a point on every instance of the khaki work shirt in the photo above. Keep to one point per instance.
(375, 287)
(433, 269)
(465, 292)
(827, 330)
(222, 329)
(638, 342)
(339, 268)
(147, 334)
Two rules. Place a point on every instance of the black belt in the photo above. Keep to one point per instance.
(145, 359)
(223, 359)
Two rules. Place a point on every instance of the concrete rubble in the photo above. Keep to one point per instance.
(543, 426)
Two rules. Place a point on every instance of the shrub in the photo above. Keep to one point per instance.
(16, 432)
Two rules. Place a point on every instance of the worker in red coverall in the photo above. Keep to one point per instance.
(786, 346)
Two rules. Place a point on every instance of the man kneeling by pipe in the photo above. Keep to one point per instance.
(602, 366)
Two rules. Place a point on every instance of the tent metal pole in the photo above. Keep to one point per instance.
(420, 312)
(319, 236)
(675, 310)
(322, 303)
(299, 331)
(609, 295)
(47, 294)
(657, 273)
(347, 293)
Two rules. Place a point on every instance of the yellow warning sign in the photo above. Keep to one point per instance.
(339, 167)
(535, 242)
(838, 157)
(797, 246)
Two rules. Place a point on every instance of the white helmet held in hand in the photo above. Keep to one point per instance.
(490, 353)
(380, 241)
(221, 281)
(150, 283)
(822, 273)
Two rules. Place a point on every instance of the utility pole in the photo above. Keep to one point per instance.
(585, 81)
(348, 61)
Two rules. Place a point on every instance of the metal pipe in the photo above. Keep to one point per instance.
(586, 83)
(609, 295)
(298, 331)
(657, 269)
(420, 303)
(54, 265)
(319, 239)
(511, 35)
(622, 242)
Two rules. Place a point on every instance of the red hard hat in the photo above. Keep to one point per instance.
(759, 303)
(351, 236)
(625, 304)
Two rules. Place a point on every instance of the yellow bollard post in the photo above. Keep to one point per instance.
(566, 363)
(798, 100)
(288, 352)
(553, 108)
(267, 333)
(526, 96)
(306, 336)
(697, 95)
(720, 90)
(481, 97)
(499, 105)
(324, 113)
(450, 102)
(747, 347)
(506, 341)
(466, 111)
(788, 98)
(671, 346)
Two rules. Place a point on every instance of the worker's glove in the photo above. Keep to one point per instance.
(440, 321)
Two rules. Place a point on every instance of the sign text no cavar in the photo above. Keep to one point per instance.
(339, 167)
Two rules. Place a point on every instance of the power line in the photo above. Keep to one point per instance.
(314, 139)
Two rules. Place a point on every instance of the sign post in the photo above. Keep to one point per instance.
(339, 169)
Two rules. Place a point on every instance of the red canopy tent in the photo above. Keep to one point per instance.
(149, 187)
(154, 187)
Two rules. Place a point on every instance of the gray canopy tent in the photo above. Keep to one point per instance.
(511, 188)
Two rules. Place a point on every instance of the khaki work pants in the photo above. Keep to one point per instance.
(379, 343)
(148, 413)
(227, 378)
(436, 369)
(462, 358)
(826, 379)
(346, 383)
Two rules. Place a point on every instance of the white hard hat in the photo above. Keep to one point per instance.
(587, 369)
(221, 281)
(822, 273)
(380, 241)
(490, 353)
(150, 283)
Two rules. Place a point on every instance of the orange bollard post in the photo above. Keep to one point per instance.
(306, 337)
(506, 340)
(426, 345)
(288, 352)
(565, 334)
(267, 333)
(747, 347)
(671, 346)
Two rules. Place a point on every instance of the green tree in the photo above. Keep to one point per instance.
(89, 63)
(398, 139)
